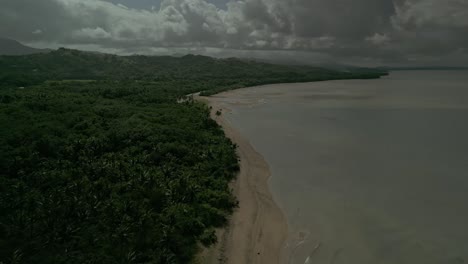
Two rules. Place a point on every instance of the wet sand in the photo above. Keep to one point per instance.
(258, 228)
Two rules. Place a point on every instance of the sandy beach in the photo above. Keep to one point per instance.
(257, 229)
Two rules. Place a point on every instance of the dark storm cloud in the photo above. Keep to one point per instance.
(432, 27)
(20, 18)
(364, 31)
(342, 18)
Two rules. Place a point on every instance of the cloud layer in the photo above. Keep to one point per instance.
(362, 31)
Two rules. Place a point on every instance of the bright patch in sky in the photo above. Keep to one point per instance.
(149, 4)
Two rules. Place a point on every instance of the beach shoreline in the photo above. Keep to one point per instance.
(258, 229)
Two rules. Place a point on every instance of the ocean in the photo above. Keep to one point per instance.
(366, 171)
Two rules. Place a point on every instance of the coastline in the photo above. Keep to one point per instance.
(257, 229)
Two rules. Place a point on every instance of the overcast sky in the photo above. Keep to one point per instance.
(365, 32)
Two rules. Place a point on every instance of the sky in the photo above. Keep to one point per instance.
(359, 32)
(148, 4)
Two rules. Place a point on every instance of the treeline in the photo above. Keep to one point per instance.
(100, 163)
(214, 74)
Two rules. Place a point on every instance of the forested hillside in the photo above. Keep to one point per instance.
(99, 163)
(208, 73)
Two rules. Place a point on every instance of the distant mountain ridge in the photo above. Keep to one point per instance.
(203, 71)
(13, 47)
(423, 68)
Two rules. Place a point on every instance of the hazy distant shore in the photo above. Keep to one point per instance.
(258, 228)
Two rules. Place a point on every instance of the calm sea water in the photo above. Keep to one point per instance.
(366, 171)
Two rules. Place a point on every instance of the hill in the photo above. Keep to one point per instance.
(205, 73)
(14, 48)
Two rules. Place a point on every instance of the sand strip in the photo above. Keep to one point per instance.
(258, 228)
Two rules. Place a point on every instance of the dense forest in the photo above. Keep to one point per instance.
(100, 163)
(200, 72)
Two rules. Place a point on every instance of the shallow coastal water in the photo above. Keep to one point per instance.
(366, 171)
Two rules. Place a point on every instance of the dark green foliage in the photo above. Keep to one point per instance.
(112, 168)
(93, 173)
(199, 72)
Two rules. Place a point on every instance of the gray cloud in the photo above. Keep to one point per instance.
(432, 27)
(363, 31)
